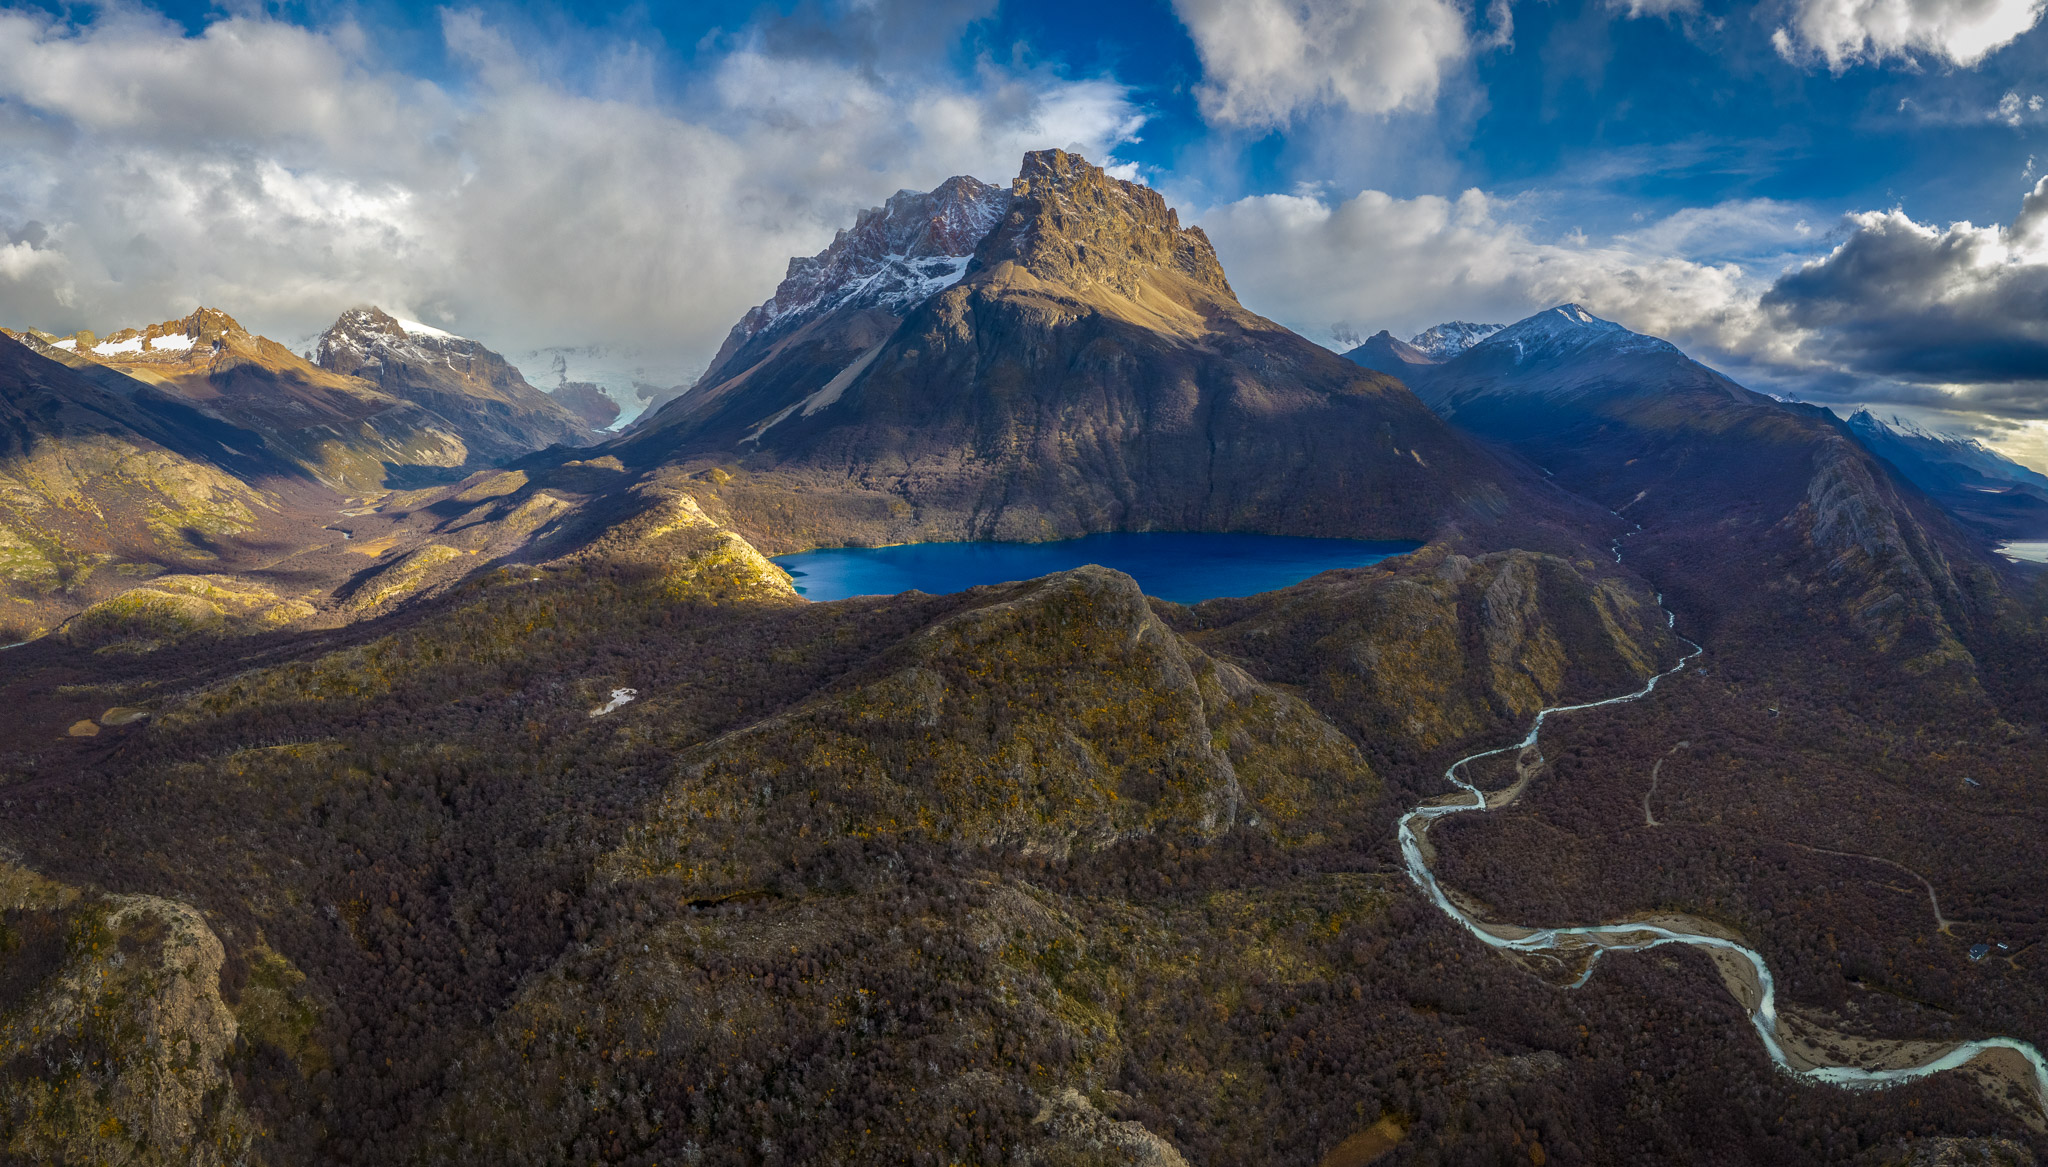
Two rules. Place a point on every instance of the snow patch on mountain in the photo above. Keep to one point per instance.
(415, 328)
(837, 385)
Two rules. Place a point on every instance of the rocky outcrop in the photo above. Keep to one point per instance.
(893, 258)
(1082, 1134)
(588, 402)
(116, 1038)
(1072, 225)
(1893, 582)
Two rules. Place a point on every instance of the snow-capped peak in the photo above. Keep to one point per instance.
(1567, 328)
(1447, 340)
(362, 339)
(362, 332)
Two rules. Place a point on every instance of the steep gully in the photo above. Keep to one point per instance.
(1797, 1049)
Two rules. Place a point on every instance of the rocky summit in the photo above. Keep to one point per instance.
(1055, 359)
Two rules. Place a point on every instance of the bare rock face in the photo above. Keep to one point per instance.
(476, 391)
(117, 1049)
(1083, 1134)
(1072, 224)
(590, 403)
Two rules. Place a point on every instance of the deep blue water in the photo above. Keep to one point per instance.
(1185, 567)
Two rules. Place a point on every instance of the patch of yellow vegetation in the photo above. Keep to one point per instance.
(494, 486)
(175, 607)
(63, 503)
(404, 578)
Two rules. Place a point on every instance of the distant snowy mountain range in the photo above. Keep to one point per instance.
(1460, 368)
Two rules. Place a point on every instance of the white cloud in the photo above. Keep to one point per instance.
(1264, 61)
(277, 173)
(1635, 8)
(1375, 261)
(1849, 32)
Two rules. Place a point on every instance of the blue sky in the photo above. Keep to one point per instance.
(1823, 197)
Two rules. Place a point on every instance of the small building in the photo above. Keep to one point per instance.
(1979, 951)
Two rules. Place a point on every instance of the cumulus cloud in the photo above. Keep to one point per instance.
(1374, 261)
(1961, 309)
(1849, 32)
(1263, 61)
(278, 173)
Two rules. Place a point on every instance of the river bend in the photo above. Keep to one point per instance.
(1591, 941)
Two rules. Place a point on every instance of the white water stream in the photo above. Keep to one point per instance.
(1637, 937)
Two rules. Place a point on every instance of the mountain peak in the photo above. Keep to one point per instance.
(1386, 353)
(205, 330)
(354, 338)
(1564, 330)
(1063, 220)
(1072, 223)
(1452, 337)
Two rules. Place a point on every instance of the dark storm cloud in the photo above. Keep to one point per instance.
(1960, 306)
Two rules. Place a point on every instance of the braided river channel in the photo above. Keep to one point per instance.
(1742, 967)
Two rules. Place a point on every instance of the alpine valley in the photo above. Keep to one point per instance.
(397, 765)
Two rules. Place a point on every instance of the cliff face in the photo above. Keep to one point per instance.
(116, 1035)
(1090, 370)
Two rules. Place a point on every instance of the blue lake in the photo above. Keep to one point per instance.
(1185, 567)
